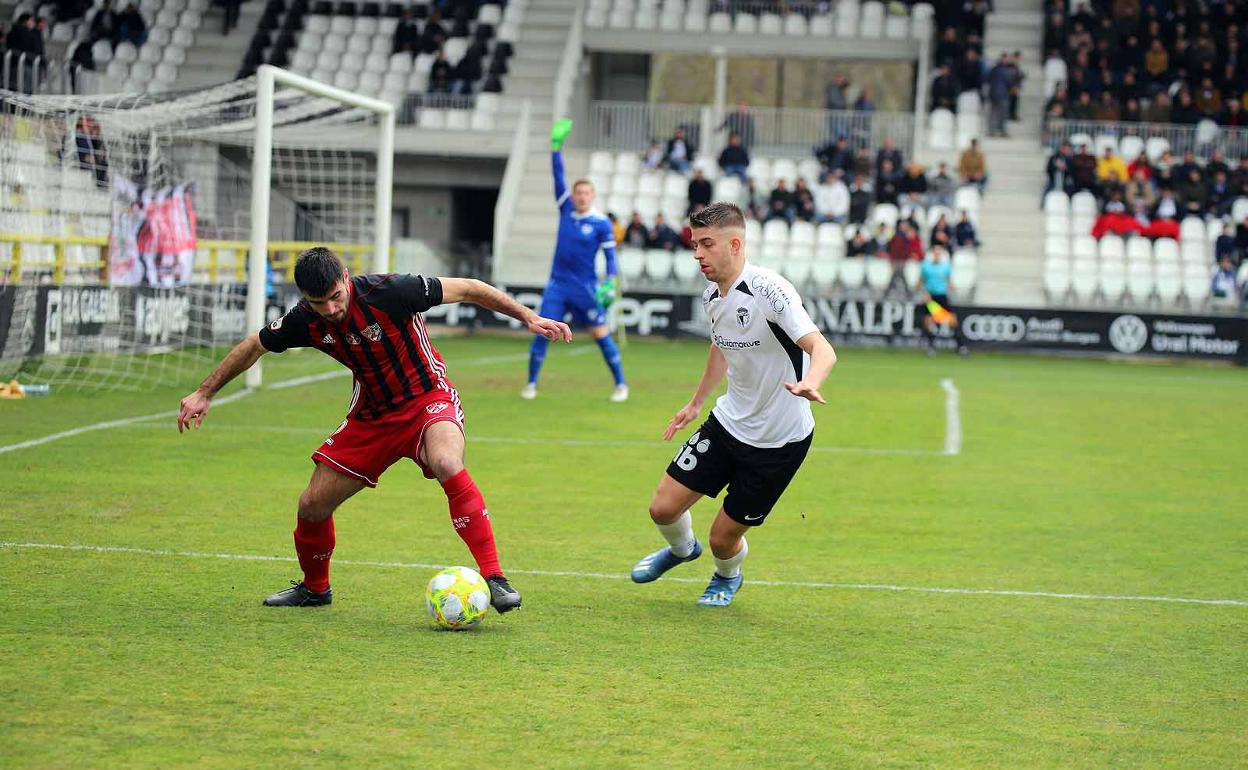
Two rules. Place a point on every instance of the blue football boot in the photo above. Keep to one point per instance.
(720, 591)
(653, 566)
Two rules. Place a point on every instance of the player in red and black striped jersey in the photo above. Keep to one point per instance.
(402, 406)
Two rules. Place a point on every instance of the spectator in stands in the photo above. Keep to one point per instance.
(617, 228)
(861, 196)
(1058, 169)
(699, 191)
(1164, 171)
(1083, 108)
(67, 10)
(861, 245)
(678, 154)
(652, 159)
(26, 40)
(662, 236)
(863, 164)
(836, 156)
(944, 89)
(803, 201)
(835, 97)
(1224, 285)
(741, 123)
(92, 154)
(440, 74)
(735, 159)
(1216, 162)
(1208, 99)
(1106, 109)
(913, 186)
(964, 235)
(1083, 169)
(1110, 164)
(941, 187)
(1188, 165)
(1239, 178)
(1016, 77)
(407, 34)
(1241, 239)
(832, 198)
(434, 34)
(1140, 165)
(1167, 207)
(887, 183)
(900, 251)
(1139, 212)
(130, 27)
(1131, 112)
(1159, 110)
(781, 203)
(970, 71)
(1225, 246)
(752, 199)
(1114, 203)
(942, 232)
(1184, 110)
(1233, 115)
(972, 167)
(636, 235)
(1220, 198)
(999, 96)
(1140, 189)
(229, 15)
(888, 152)
(103, 22)
(468, 71)
(948, 50)
(865, 102)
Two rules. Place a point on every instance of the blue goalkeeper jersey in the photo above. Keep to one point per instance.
(580, 237)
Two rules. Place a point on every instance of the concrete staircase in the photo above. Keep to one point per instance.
(216, 58)
(543, 33)
(1011, 261)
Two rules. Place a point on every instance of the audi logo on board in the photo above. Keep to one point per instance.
(994, 328)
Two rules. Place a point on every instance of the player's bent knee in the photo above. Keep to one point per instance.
(663, 512)
(312, 508)
(445, 466)
(725, 545)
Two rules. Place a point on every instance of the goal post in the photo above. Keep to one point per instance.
(268, 78)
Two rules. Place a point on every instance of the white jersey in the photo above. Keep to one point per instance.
(756, 326)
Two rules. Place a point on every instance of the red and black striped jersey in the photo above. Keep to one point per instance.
(383, 340)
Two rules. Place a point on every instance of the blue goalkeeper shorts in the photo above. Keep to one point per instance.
(558, 302)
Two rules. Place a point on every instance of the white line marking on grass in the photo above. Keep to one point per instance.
(222, 401)
(953, 421)
(610, 576)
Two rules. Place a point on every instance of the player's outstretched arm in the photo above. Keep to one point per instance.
(716, 368)
(195, 406)
(490, 298)
(822, 359)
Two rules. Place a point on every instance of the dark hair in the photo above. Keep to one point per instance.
(718, 214)
(317, 270)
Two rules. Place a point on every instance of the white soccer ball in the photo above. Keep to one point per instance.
(457, 598)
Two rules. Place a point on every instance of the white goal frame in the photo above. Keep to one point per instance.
(267, 79)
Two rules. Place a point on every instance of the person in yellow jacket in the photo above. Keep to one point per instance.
(1110, 163)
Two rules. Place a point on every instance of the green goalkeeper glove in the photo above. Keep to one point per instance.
(559, 132)
(605, 296)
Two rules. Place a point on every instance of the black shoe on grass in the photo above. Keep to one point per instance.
(299, 595)
(503, 597)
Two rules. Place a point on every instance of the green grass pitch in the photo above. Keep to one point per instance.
(1074, 477)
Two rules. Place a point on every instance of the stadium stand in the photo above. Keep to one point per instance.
(870, 20)
(1148, 154)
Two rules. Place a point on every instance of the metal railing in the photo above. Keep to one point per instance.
(84, 259)
(569, 66)
(1179, 138)
(29, 74)
(780, 131)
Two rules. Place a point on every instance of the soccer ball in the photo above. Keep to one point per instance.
(457, 598)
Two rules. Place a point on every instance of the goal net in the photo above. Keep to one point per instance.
(137, 241)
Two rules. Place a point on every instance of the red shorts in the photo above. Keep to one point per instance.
(365, 449)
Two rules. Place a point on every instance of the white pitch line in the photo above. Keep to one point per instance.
(953, 420)
(612, 576)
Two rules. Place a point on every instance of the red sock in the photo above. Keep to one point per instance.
(314, 542)
(472, 522)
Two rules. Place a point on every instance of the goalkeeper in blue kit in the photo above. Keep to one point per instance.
(573, 288)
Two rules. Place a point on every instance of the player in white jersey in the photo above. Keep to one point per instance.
(759, 431)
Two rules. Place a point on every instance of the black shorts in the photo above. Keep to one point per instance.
(712, 459)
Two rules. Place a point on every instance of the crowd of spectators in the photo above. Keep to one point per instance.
(1156, 61)
(471, 73)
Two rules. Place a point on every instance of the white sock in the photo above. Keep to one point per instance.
(679, 534)
(731, 567)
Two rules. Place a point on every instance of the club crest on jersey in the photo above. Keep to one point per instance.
(328, 339)
(743, 317)
(437, 408)
(353, 338)
(373, 332)
(587, 229)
